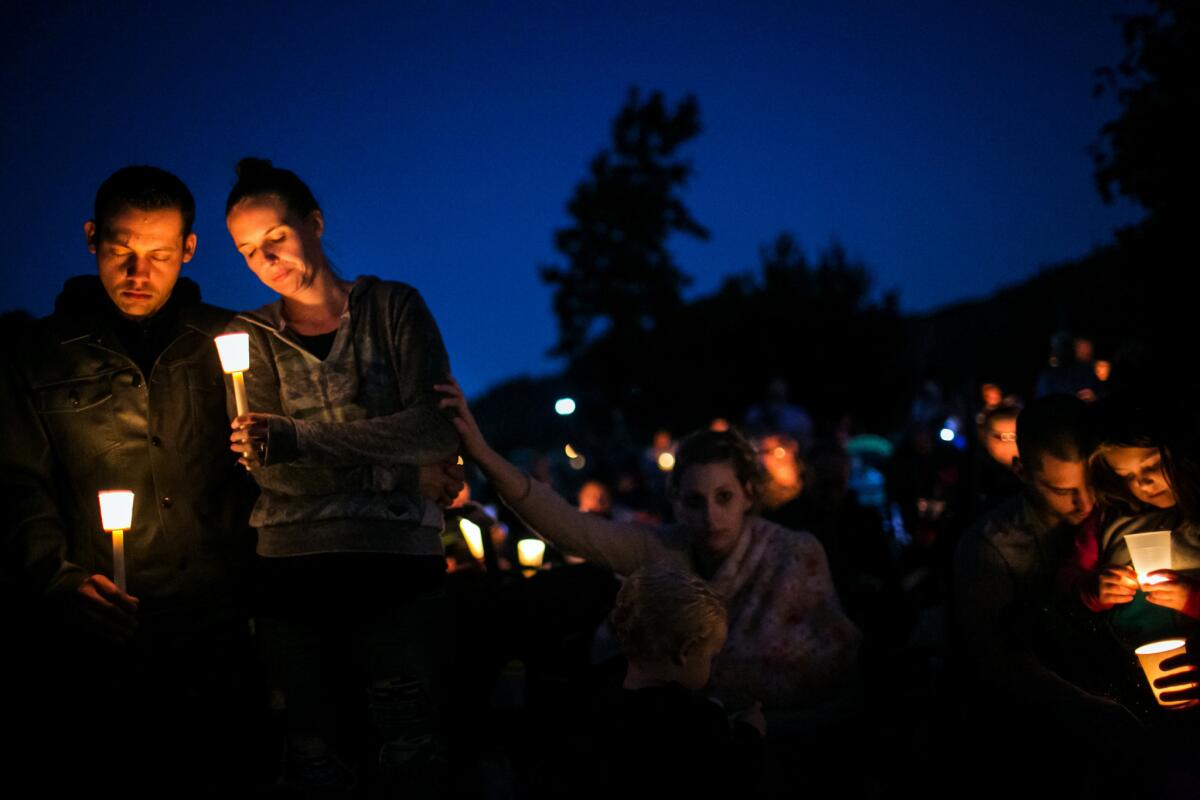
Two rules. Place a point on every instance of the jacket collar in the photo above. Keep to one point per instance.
(83, 309)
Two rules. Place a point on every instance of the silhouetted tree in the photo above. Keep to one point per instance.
(1151, 152)
(812, 323)
(618, 269)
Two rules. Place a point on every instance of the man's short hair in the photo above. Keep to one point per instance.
(146, 189)
(1058, 425)
(1004, 411)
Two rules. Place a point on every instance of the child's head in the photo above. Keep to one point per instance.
(672, 622)
(1128, 464)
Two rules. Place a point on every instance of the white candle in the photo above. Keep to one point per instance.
(116, 516)
(474, 536)
(530, 553)
(118, 539)
(234, 350)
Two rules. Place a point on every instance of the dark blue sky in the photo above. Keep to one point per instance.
(943, 143)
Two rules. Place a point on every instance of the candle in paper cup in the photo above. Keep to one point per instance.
(1151, 657)
(474, 536)
(530, 553)
(234, 350)
(1149, 551)
(116, 516)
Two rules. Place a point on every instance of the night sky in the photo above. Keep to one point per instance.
(945, 144)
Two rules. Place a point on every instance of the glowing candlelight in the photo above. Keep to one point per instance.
(234, 350)
(530, 553)
(116, 516)
(1149, 551)
(474, 536)
(1151, 656)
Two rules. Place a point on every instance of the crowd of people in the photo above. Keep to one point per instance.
(343, 589)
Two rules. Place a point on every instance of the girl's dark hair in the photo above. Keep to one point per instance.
(1124, 421)
(1181, 465)
(257, 177)
(706, 446)
(1119, 422)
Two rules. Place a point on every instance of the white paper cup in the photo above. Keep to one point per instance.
(1151, 656)
(1149, 551)
(530, 553)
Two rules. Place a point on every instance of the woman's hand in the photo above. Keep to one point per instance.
(1117, 585)
(455, 404)
(1174, 590)
(262, 439)
(442, 482)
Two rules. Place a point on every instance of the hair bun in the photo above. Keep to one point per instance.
(250, 167)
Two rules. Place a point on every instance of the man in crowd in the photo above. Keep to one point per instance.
(1016, 621)
(121, 388)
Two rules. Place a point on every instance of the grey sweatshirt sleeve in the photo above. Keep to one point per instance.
(417, 434)
(263, 395)
(623, 547)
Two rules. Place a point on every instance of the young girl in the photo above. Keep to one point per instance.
(1151, 484)
(659, 730)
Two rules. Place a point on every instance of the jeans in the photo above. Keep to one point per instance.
(349, 642)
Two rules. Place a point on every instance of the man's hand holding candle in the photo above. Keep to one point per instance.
(105, 610)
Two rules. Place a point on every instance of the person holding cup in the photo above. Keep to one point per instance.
(1144, 474)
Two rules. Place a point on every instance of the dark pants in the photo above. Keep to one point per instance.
(350, 646)
(177, 712)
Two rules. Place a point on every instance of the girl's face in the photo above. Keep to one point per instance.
(282, 249)
(713, 504)
(1141, 469)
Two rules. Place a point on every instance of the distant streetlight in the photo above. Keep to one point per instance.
(564, 406)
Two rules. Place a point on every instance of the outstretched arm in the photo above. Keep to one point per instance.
(621, 547)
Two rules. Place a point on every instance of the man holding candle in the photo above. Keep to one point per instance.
(121, 388)
(1025, 645)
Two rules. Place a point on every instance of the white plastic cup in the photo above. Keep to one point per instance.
(1149, 551)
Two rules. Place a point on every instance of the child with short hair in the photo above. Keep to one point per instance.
(659, 731)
